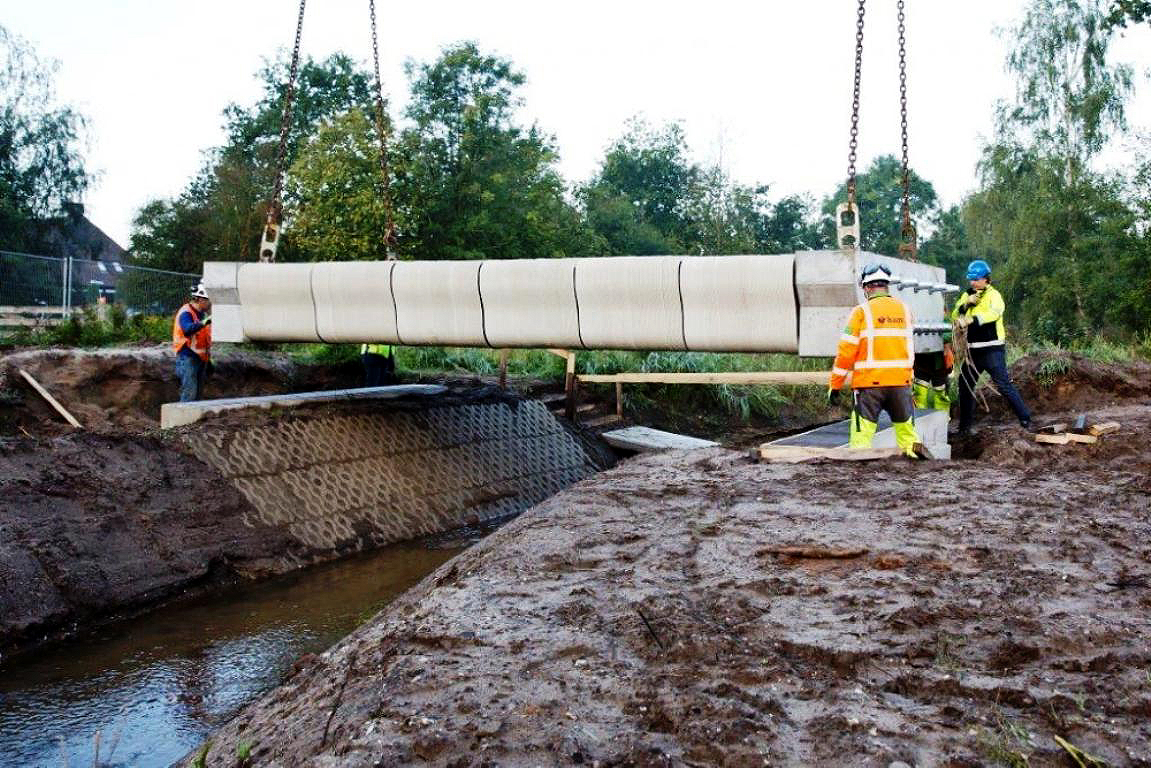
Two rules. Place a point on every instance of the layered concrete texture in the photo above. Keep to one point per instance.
(360, 476)
(182, 414)
(792, 303)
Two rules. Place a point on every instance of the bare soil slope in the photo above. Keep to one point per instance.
(701, 609)
(91, 525)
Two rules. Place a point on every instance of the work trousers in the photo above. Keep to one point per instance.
(994, 361)
(872, 401)
(192, 372)
(379, 370)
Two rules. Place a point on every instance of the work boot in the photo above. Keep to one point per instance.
(1026, 425)
(963, 433)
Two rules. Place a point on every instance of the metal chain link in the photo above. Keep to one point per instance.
(275, 205)
(908, 246)
(381, 134)
(854, 143)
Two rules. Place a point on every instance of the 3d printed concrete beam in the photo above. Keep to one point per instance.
(777, 303)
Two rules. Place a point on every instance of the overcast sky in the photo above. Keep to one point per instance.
(764, 88)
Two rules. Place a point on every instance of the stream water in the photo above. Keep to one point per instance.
(145, 692)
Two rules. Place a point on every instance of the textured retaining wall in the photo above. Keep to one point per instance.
(370, 477)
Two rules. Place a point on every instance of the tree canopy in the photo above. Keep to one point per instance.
(40, 163)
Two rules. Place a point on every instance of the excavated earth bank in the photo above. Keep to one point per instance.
(701, 609)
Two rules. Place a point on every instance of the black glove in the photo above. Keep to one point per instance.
(833, 396)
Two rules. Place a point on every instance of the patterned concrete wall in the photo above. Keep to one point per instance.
(367, 478)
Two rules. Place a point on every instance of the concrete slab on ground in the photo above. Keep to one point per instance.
(646, 440)
(930, 424)
(182, 414)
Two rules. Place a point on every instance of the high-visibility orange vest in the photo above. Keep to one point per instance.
(877, 346)
(199, 342)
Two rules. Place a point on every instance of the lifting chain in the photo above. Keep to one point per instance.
(908, 245)
(381, 134)
(271, 238)
(847, 214)
(854, 143)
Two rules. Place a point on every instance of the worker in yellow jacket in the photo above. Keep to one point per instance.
(379, 362)
(878, 350)
(979, 313)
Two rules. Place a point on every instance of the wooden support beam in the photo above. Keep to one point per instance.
(1076, 437)
(51, 400)
(793, 454)
(571, 386)
(619, 399)
(790, 378)
(1062, 438)
(1105, 428)
(503, 369)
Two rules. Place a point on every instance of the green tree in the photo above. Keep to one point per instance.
(1122, 11)
(220, 214)
(470, 182)
(1059, 234)
(948, 245)
(334, 189)
(638, 201)
(40, 163)
(879, 195)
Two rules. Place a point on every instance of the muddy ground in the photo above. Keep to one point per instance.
(702, 609)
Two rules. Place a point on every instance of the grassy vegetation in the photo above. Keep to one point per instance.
(87, 329)
(741, 402)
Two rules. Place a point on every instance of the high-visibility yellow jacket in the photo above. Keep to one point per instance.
(986, 309)
(384, 350)
(877, 346)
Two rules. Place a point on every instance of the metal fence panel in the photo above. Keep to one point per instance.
(39, 286)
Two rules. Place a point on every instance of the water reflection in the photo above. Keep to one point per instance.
(146, 692)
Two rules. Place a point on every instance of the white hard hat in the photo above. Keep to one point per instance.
(874, 273)
(198, 292)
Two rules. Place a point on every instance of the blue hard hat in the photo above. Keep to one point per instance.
(978, 269)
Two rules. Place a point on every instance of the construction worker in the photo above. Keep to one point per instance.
(877, 349)
(379, 364)
(192, 343)
(979, 313)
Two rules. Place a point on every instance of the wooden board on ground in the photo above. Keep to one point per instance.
(1062, 438)
(793, 454)
(646, 439)
(1075, 437)
(599, 421)
(1105, 428)
(51, 400)
(793, 378)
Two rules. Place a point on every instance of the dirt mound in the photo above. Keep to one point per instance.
(91, 525)
(1059, 384)
(940, 614)
(115, 390)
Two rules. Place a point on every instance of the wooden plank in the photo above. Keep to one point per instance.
(794, 454)
(648, 439)
(1104, 428)
(600, 421)
(503, 369)
(585, 408)
(552, 397)
(1063, 438)
(1075, 437)
(51, 400)
(792, 378)
(32, 309)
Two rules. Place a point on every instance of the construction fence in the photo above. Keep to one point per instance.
(39, 290)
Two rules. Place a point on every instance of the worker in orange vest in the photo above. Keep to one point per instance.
(192, 343)
(877, 348)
